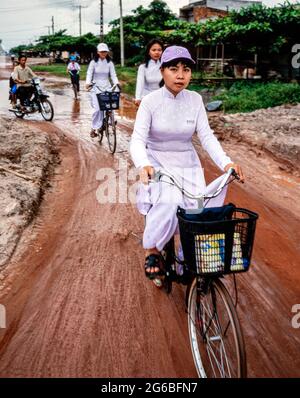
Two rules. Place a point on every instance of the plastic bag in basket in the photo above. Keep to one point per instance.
(210, 253)
(238, 263)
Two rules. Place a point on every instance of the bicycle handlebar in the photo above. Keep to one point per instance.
(201, 197)
(112, 89)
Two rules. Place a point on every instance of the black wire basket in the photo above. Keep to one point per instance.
(108, 101)
(214, 248)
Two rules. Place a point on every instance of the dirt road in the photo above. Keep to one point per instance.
(77, 302)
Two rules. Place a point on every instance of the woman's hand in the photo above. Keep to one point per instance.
(146, 173)
(237, 168)
(137, 102)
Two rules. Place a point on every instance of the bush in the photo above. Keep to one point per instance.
(249, 96)
(136, 60)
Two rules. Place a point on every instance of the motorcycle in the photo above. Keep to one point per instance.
(38, 102)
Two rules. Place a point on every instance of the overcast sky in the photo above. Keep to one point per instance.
(22, 21)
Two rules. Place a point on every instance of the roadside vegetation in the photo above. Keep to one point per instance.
(58, 69)
(126, 75)
(247, 96)
(241, 96)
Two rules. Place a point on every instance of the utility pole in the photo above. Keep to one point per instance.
(101, 20)
(79, 20)
(121, 34)
(52, 25)
(100, 23)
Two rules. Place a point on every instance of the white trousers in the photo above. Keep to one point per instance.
(161, 220)
(97, 117)
(160, 207)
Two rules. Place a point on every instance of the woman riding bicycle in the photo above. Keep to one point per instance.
(166, 121)
(100, 70)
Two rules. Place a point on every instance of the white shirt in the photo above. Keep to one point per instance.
(148, 79)
(73, 66)
(163, 131)
(100, 72)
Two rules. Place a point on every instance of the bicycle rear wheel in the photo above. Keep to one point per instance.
(215, 333)
(111, 132)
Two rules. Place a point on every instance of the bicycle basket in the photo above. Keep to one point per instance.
(218, 247)
(108, 100)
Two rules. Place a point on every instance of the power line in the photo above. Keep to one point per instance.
(20, 30)
(67, 3)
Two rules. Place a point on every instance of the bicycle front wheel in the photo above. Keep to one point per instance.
(215, 333)
(111, 132)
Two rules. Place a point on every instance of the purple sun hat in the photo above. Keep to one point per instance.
(175, 52)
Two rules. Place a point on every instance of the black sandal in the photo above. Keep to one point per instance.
(154, 261)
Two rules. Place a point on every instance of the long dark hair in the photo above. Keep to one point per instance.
(174, 62)
(96, 58)
(149, 45)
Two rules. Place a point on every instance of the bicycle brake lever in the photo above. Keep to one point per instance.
(157, 175)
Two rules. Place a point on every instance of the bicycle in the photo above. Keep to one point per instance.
(108, 102)
(215, 242)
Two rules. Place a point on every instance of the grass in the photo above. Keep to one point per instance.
(249, 96)
(126, 75)
(58, 69)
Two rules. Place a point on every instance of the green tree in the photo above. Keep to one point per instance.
(141, 26)
(257, 28)
(61, 42)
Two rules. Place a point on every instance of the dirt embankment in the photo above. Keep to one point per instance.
(274, 130)
(26, 158)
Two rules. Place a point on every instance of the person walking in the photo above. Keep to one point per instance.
(73, 69)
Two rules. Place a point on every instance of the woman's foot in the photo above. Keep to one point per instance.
(93, 133)
(154, 265)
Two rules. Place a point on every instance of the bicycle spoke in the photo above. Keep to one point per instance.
(216, 340)
(215, 344)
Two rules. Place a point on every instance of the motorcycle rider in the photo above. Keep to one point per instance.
(22, 75)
